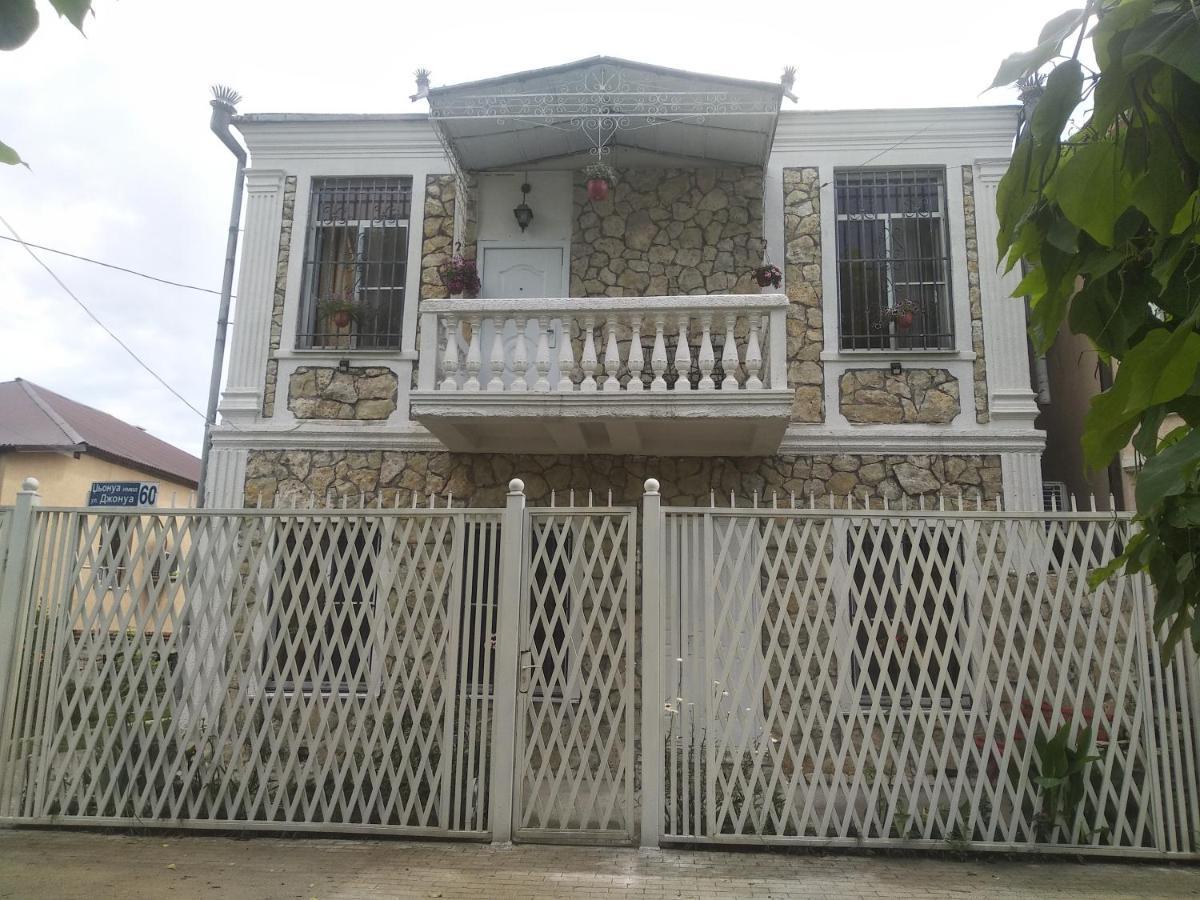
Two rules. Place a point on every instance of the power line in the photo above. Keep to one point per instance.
(92, 316)
(96, 262)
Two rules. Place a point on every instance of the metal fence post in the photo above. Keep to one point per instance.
(13, 587)
(653, 642)
(508, 633)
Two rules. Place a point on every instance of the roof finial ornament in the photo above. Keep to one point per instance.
(787, 80)
(422, 76)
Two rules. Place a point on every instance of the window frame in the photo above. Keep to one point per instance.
(945, 339)
(309, 335)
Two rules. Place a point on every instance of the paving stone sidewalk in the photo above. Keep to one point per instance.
(58, 865)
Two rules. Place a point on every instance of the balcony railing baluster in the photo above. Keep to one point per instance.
(510, 359)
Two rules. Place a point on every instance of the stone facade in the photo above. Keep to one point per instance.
(281, 267)
(974, 296)
(669, 231)
(286, 477)
(322, 392)
(802, 280)
(876, 396)
(437, 229)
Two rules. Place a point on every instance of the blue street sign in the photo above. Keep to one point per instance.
(123, 493)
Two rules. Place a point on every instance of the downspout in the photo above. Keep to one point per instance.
(223, 111)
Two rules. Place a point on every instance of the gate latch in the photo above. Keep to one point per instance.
(523, 676)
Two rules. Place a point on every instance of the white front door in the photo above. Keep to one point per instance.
(511, 273)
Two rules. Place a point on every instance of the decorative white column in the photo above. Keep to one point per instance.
(246, 372)
(1013, 403)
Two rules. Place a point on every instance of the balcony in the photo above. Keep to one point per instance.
(680, 376)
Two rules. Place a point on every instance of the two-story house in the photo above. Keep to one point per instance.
(620, 334)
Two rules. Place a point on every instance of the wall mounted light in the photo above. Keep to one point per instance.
(896, 369)
(522, 213)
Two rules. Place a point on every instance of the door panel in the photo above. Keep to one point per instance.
(510, 274)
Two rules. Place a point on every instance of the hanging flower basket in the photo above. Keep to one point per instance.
(903, 314)
(600, 180)
(768, 276)
(340, 312)
(460, 276)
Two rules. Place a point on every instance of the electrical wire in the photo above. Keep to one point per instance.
(96, 262)
(94, 318)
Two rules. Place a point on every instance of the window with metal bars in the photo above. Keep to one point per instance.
(910, 639)
(355, 263)
(893, 260)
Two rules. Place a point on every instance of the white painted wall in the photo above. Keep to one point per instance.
(550, 200)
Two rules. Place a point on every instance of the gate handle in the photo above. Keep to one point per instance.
(524, 679)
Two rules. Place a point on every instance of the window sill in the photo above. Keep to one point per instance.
(897, 355)
(390, 355)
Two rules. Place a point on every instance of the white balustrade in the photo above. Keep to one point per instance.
(654, 333)
(588, 360)
(612, 359)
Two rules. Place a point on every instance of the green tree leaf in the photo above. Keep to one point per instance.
(1092, 189)
(1168, 474)
(18, 22)
(10, 157)
(74, 11)
(1062, 95)
(1169, 38)
(1049, 44)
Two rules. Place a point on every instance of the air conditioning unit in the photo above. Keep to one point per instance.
(1055, 497)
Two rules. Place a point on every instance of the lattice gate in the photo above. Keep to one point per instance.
(575, 700)
(852, 677)
(432, 671)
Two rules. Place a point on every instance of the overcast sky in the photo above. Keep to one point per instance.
(124, 169)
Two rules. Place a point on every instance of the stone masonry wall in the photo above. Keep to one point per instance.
(437, 230)
(876, 396)
(281, 267)
(975, 297)
(802, 280)
(668, 231)
(285, 477)
(322, 392)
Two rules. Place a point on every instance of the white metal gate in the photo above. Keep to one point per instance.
(850, 677)
(575, 701)
(321, 669)
(298, 669)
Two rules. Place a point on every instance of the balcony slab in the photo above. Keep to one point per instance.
(667, 423)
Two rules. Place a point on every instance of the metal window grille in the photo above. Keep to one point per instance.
(356, 253)
(893, 261)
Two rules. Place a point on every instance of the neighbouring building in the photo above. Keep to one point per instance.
(633, 338)
(68, 446)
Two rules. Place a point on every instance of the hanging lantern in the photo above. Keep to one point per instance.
(522, 213)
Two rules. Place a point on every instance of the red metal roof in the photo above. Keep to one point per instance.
(33, 418)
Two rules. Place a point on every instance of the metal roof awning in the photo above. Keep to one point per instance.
(584, 109)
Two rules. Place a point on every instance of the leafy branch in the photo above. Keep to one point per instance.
(19, 19)
(1107, 223)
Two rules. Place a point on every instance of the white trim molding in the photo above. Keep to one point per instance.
(242, 398)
